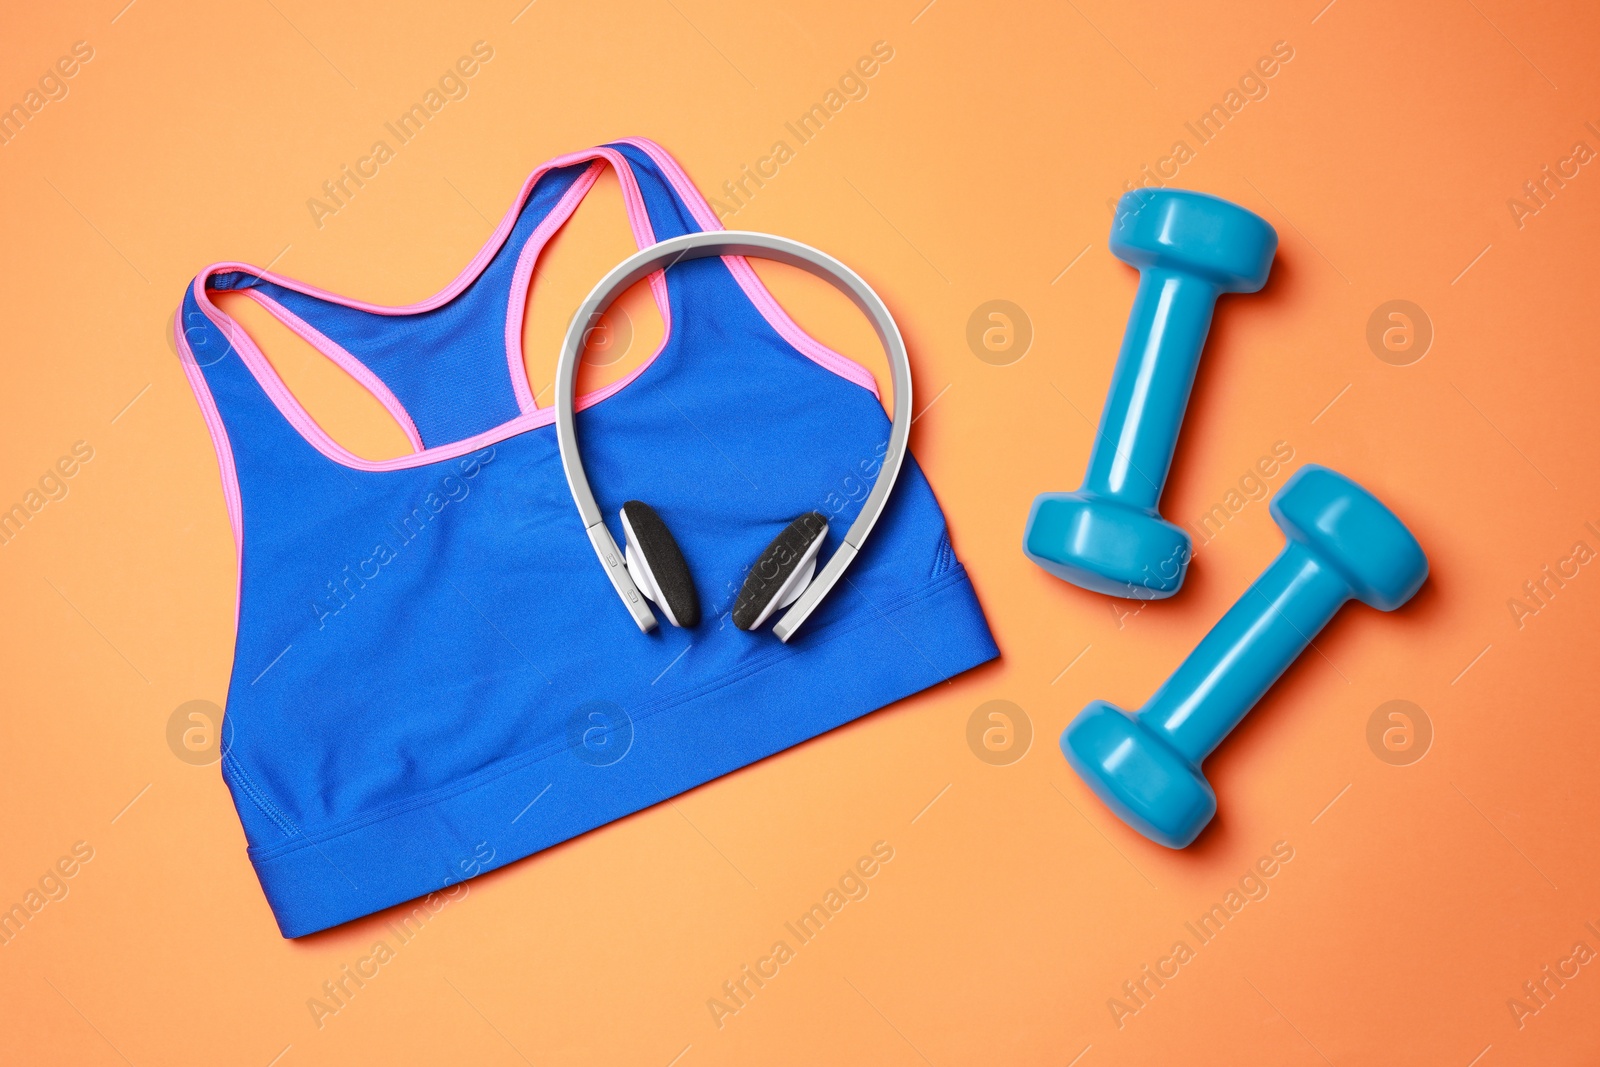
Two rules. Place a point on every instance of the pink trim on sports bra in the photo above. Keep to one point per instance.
(224, 450)
(349, 363)
(522, 277)
(643, 236)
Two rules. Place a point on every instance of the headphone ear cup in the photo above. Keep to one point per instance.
(782, 571)
(657, 566)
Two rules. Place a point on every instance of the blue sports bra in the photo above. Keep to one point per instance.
(430, 668)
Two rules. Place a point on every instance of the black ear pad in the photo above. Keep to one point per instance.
(777, 578)
(657, 566)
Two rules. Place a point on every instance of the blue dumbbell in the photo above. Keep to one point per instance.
(1343, 544)
(1190, 248)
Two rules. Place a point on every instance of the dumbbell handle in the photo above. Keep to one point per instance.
(1245, 652)
(1150, 386)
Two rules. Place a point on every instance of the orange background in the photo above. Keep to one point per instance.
(1420, 897)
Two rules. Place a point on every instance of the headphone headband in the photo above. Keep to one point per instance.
(700, 246)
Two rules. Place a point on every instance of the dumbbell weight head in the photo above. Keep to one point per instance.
(1352, 530)
(1194, 234)
(1138, 775)
(1104, 545)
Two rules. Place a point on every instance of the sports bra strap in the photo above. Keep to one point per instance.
(670, 213)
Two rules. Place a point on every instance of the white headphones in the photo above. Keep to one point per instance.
(652, 567)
